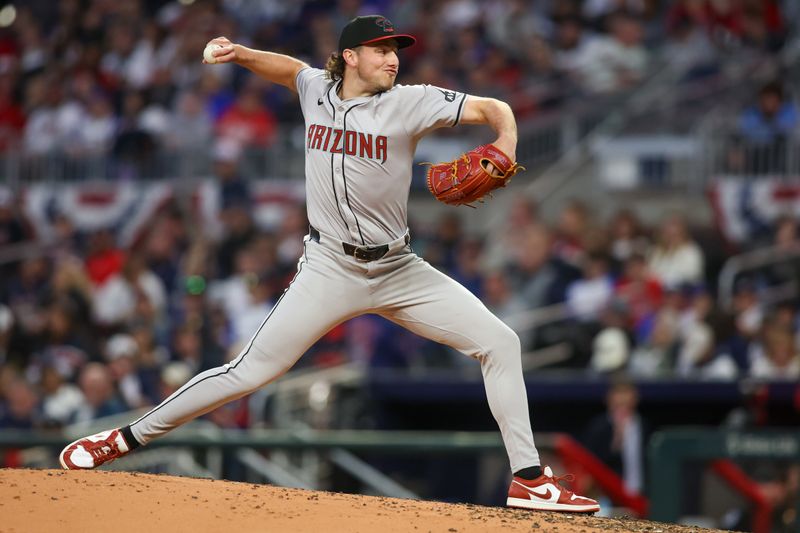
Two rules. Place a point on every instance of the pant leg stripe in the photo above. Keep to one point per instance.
(240, 358)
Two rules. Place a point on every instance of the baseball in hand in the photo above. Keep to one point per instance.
(207, 55)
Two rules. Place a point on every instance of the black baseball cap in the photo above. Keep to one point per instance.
(371, 29)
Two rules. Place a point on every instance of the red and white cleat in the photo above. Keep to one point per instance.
(545, 494)
(94, 450)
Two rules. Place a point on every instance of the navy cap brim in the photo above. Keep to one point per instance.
(403, 40)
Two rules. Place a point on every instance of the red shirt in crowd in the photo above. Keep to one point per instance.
(248, 126)
(102, 265)
(642, 297)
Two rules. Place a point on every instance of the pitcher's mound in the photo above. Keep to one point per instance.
(55, 500)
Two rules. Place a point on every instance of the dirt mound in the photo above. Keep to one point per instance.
(54, 500)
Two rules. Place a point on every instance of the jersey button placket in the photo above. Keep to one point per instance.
(342, 199)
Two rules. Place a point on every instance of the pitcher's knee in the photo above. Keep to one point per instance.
(258, 368)
(505, 344)
(510, 343)
(250, 381)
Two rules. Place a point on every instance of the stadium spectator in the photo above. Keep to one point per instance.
(780, 358)
(232, 293)
(655, 351)
(542, 86)
(690, 49)
(766, 127)
(20, 406)
(614, 62)
(589, 296)
(200, 329)
(772, 117)
(611, 347)
(153, 357)
(638, 290)
(24, 293)
(263, 289)
(60, 398)
(247, 121)
(122, 354)
(748, 309)
(573, 224)
(134, 149)
(498, 297)
(696, 350)
(63, 342)
(534, 277)
(762, 25)
(163, 249)
(517, 21)
(100, 398)
(52, 125)
(173, 376)
(187, 347)
(619, 435)
(522, 214)
(191, 127)
(136, 292)
(238, 232)
(568, 46)
(70, 284)
(233, 189)
(103, 258)
(676, 259)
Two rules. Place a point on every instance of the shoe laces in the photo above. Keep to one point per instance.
(103, 450)
(567, 477)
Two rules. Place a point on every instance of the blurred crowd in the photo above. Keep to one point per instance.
(631, 298)
(91, 78)
(91, 329)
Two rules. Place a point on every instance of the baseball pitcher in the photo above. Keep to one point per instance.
(361, 131)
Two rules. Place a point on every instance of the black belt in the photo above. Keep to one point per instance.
(362, 253)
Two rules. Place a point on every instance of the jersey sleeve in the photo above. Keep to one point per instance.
(427, 107)
(311, 84)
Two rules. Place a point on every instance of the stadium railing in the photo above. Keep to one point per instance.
(752, 262)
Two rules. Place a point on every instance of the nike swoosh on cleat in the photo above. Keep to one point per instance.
(546, 495)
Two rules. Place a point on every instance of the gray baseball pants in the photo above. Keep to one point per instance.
(331, 287)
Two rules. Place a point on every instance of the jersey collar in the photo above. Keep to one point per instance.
(333, 92)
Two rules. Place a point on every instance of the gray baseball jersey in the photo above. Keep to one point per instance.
(359, 154)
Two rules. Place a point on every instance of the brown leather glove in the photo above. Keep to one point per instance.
(468, 179)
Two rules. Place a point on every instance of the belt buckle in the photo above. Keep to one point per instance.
(363, 253)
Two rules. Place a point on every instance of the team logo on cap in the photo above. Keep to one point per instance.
(385, 24)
